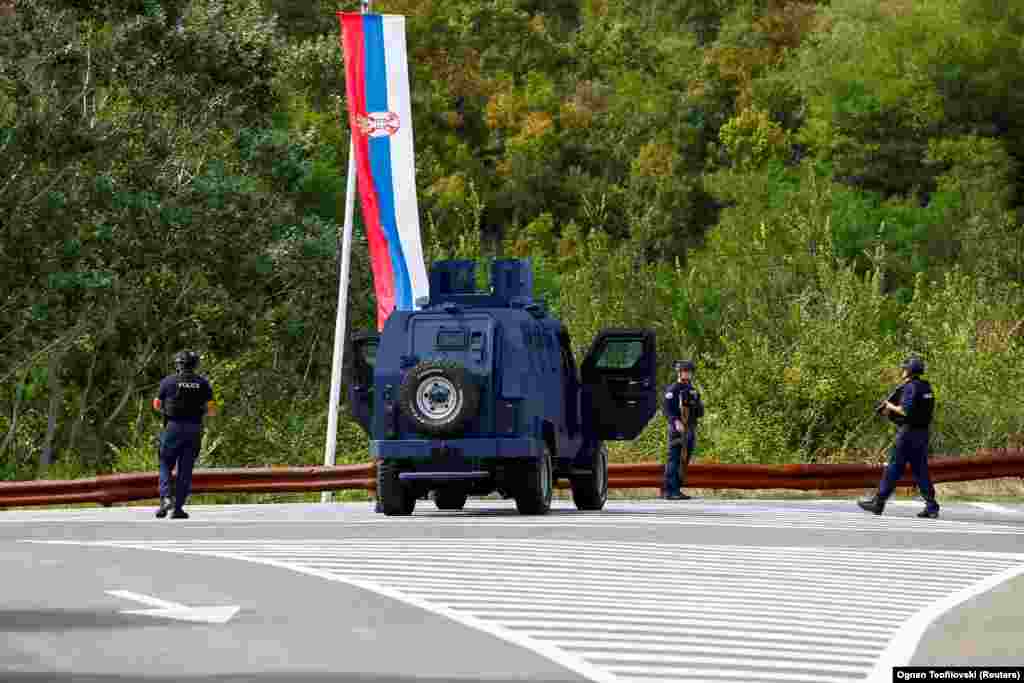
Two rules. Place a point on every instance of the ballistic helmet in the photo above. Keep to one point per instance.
(684, 365)
(186, 360)
(913, 365)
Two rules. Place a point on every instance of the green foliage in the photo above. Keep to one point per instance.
(794, 193)
(972, 375)
(751, 139)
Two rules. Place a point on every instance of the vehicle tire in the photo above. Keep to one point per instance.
(536, 483)
(439, 397)
(395, 497)
(449, 499)
(590, 491)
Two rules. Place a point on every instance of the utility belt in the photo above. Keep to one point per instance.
(912, 428)
(181, 422)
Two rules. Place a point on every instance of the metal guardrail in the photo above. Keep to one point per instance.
(119, 488)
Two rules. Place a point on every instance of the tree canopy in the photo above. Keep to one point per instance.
(796, 193)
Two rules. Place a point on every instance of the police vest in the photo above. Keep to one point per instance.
(188, 401)
(924, 405)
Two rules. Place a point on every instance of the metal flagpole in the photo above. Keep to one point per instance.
(339, 322)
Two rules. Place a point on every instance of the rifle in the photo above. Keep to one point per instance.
(893, 395)
(679, 438)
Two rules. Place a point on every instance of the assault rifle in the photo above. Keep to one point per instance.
(893, 395)
(679, 438)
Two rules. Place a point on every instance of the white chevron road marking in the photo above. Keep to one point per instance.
(619, 612)
(172, 610)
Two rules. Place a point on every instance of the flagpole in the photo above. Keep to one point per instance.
(339, 323)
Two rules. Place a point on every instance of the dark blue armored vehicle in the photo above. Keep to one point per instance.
(479, 392)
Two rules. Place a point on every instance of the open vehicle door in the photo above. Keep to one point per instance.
(619, 392)
(363, 354)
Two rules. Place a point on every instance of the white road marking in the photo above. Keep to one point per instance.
(835, 523)
(718, 674)
(691, 661)
(172, 610)
(484, 598)
(601, 647)
(820, 515)
(575, 640)
(548, 588)
(907, 639)
(519, 607)
(146, 600)
(570, 628)
(999, 509)
(633, 611)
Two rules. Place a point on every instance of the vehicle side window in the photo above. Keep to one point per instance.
(621, 354)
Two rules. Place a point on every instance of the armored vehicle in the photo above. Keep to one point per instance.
(477, 392)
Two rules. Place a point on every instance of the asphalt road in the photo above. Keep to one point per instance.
(642, 591)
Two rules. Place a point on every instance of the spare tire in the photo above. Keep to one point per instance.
(439, 397)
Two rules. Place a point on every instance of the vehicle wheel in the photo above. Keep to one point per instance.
(449, 499)
(395, 497)
(439, 397)
(590, 491)
(533, 495)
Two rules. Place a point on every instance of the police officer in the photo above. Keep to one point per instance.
(682, 408)
(185, 398)
(912, 415)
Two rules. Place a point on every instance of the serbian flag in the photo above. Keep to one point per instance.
(380, 117)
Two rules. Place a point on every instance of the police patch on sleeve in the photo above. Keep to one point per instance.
(668, 395)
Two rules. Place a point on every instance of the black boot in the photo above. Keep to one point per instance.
(179, 514)
(931, 510)
(165, 506)
(873, 504)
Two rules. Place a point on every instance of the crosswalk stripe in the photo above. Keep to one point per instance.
(623, 611)
(600, 611)
(696, 626)
(656, 660)
(711, 594)
(720, 674)
(669, 602)
(995, 507)
(764, 624)
(578, 641)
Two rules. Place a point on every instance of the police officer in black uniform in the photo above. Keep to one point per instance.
(185, 398)
(679, 397)
(913, 416)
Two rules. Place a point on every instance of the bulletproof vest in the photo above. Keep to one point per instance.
(897, 397)
(188, 400)
(924, 405)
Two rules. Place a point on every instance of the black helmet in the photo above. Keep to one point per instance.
(913, 365)
(186, 360)
(684, 365)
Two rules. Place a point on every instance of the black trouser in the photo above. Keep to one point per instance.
(911, 448)
(179, 448)
(676, 465)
